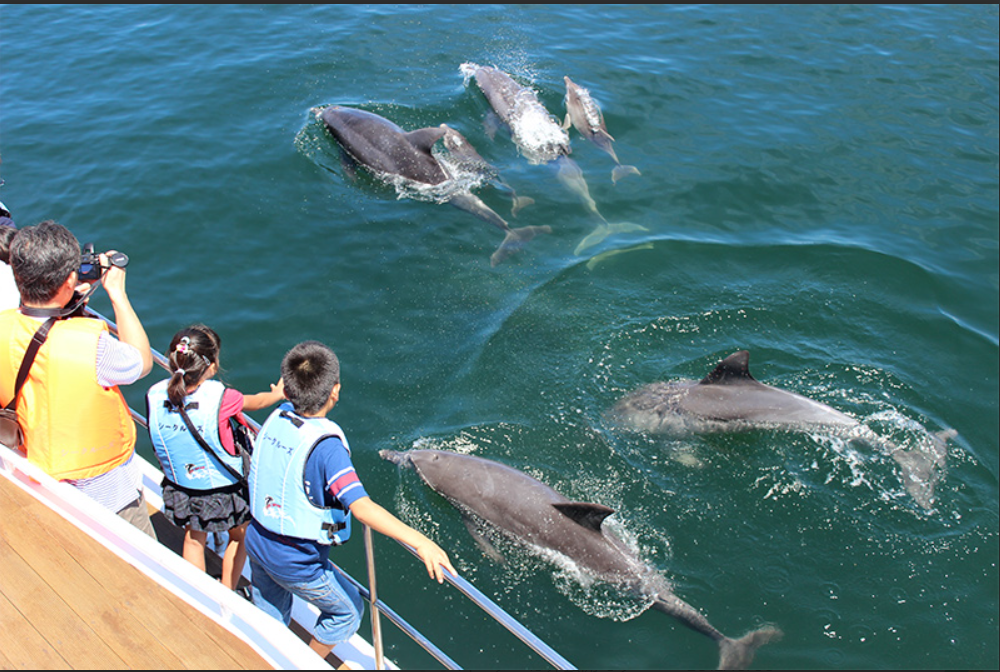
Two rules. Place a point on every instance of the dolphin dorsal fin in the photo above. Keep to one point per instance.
(588, 515)
(733, 369)
(424, 138)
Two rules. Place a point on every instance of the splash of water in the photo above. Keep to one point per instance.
(535, 131)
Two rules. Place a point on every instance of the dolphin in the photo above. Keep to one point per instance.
(730, 399)
(583, 114)
(541, 139)
(534, 514)
(468, 159)
(533, 129)
(387, 150)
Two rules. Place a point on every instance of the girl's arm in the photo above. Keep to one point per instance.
(255, 402)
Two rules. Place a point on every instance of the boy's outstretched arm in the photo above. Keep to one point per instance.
(380, 520)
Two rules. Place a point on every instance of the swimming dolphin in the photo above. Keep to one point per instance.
(468, 159)
(533, 129)
(730, 399)
(387, 150)
(540, 139)
(533, 513)
(583, 114)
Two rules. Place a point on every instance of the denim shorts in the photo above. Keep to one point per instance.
(339, 602)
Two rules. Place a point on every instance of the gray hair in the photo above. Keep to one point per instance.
(42, 258)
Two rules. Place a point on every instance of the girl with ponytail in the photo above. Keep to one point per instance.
(191, 421)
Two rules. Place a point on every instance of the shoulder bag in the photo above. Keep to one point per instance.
(11, 434)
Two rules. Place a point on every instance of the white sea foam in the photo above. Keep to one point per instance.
(535, 131)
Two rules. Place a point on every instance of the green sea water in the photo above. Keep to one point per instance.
(819, 186)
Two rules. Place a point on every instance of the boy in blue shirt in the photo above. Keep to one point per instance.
(303, 493)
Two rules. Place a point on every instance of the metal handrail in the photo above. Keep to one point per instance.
(498, 614)
(397, 620)
(373, 598)
(492, 609)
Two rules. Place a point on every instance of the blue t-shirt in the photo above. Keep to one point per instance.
(329, 477)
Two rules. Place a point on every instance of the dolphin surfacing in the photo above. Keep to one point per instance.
(387, 150)
(583, 113)
(534, 514)
(541, 140)
(535, 132)
(730, 399)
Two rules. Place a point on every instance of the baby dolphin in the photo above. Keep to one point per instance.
(730, 399)
(534, 514)
(388, 151)
(584, 114)
(467, 158)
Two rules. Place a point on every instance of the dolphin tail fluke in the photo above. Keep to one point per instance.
(515, 240)
(520, 203)
(737, 654)
(733, 653)
(621, 171)
(595, 237)
(921, 467)
(604, 230)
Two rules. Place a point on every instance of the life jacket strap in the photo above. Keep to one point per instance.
(298, 422)
(333, 528)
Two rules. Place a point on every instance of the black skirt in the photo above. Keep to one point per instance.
(218, 510)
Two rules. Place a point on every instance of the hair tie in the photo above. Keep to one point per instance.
(181, 371)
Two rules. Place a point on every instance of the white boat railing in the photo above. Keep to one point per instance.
(378, 607)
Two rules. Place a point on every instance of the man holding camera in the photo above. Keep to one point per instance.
(76, 424)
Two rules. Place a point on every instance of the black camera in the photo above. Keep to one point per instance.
(90, 263)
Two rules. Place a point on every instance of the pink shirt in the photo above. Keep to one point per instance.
(232, 405)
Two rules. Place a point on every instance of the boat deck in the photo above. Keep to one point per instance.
(66, 602)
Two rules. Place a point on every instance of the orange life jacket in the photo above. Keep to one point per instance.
(73, 427)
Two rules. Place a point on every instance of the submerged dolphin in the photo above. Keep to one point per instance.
(584, 114)
(533, 513)
(387, 150)
(730, 399)
(541, 140)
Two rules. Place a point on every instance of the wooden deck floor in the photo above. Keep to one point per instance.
(66, 602)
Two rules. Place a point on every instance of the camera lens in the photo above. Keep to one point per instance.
(90, 264)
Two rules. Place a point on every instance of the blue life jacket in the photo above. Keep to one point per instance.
(278, 499)
(182, 459)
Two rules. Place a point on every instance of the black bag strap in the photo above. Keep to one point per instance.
(204, 445)
(29, 358)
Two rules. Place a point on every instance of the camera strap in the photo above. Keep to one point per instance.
(29, 358)
(66, 311)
